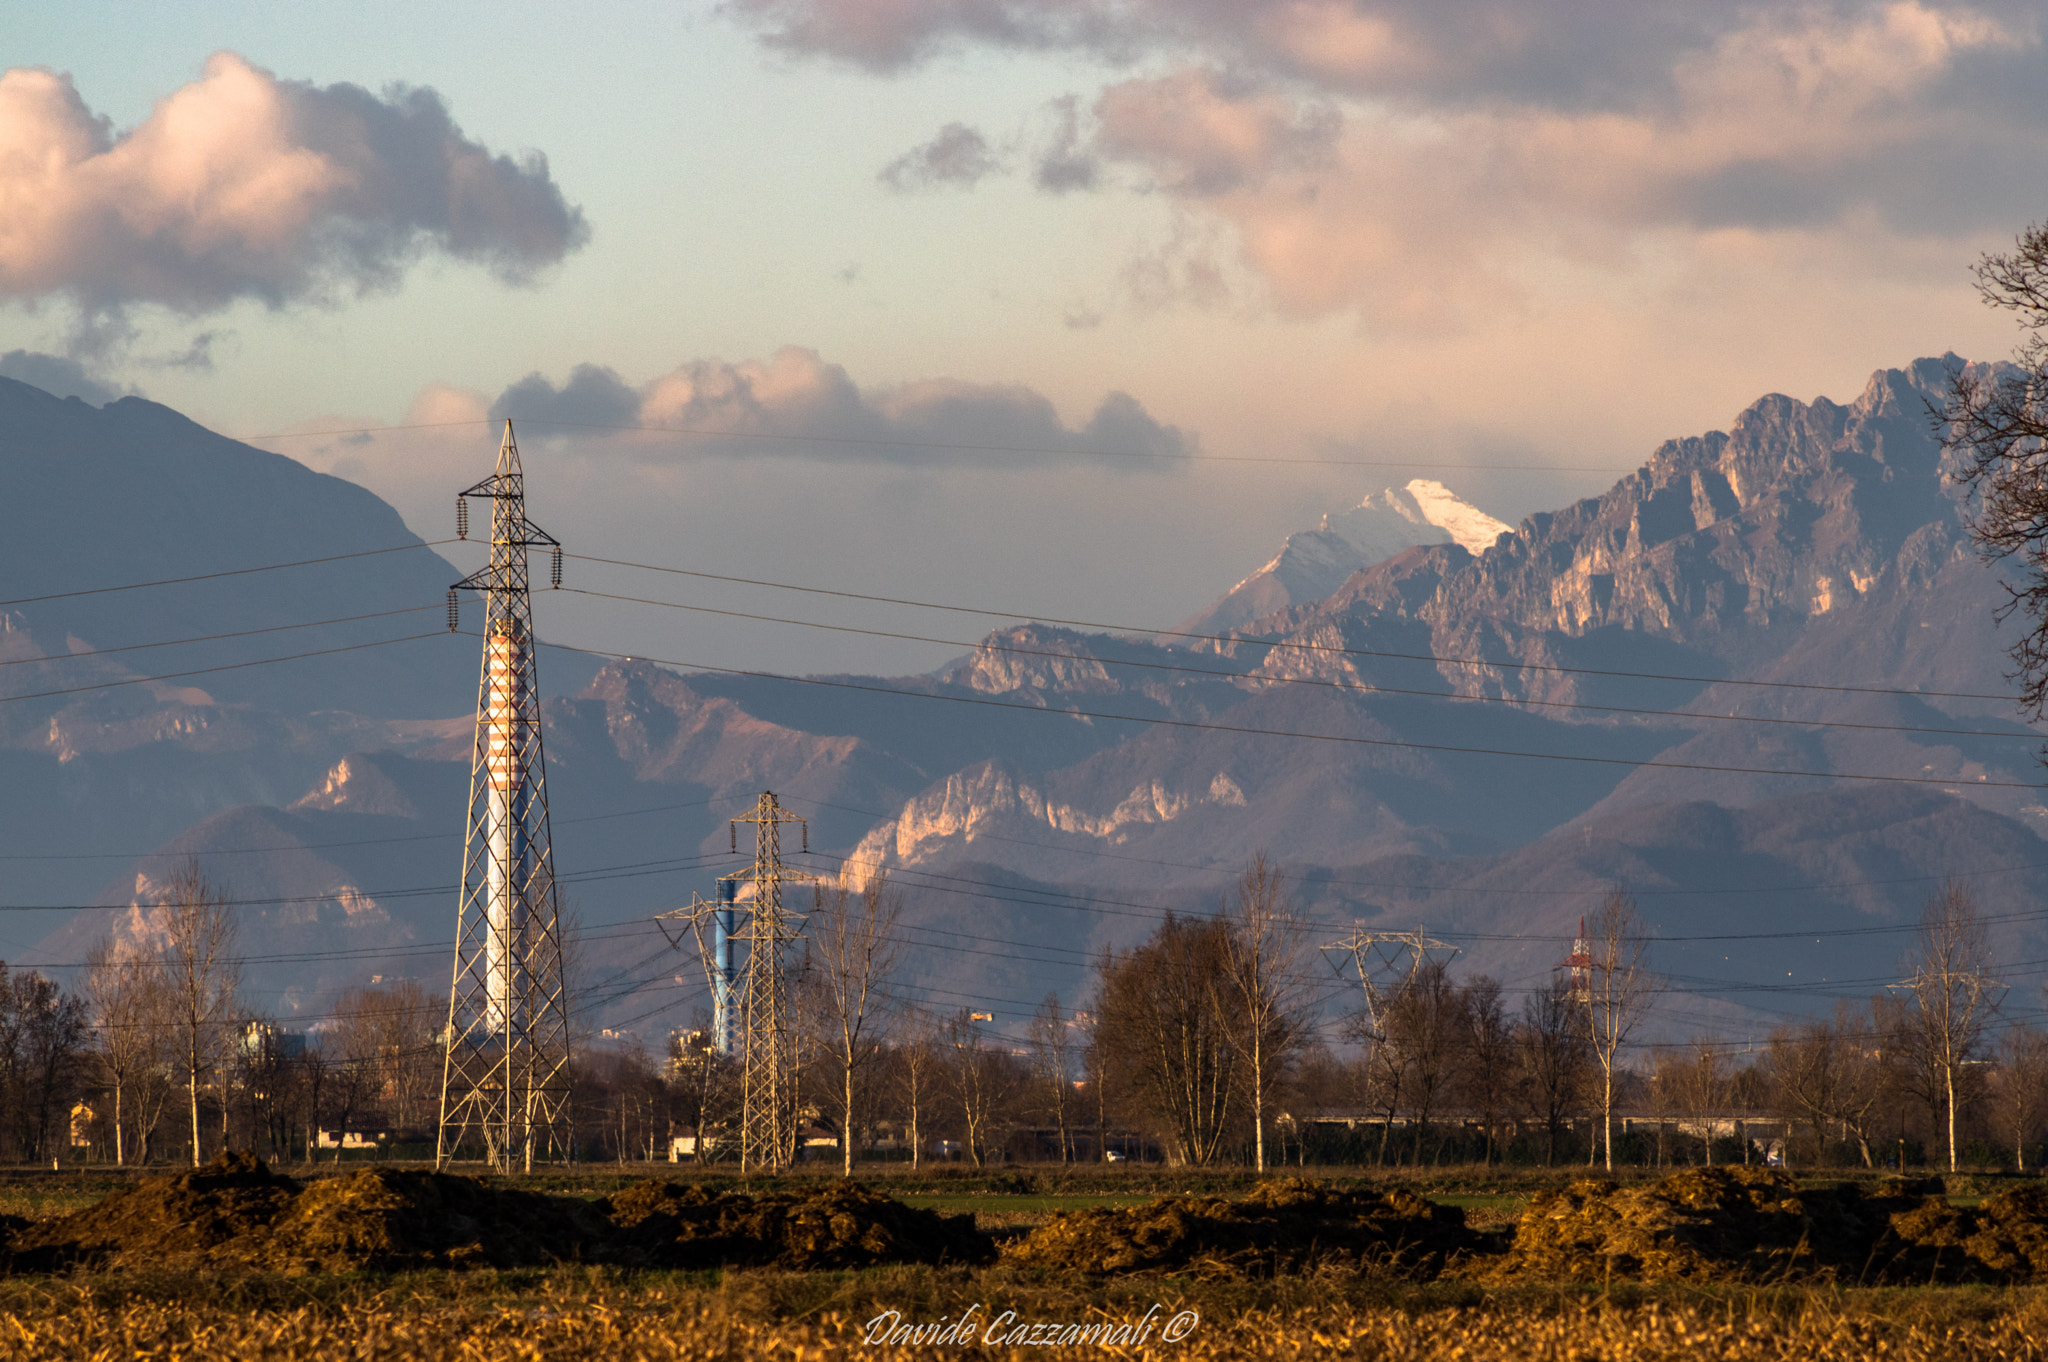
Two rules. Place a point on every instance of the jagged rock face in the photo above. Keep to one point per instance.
(358, 784)
(1034, 657)
(1796, 508)
(989, 798)
(1799, 510)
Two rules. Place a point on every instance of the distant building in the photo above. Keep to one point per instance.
(82, 1117)
(682, 1147)
(350, 1139)
(262, 1040)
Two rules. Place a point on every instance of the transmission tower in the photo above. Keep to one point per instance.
(1385, 962)
(1578, 967)
(768, 1053)
(505, 1072)
(717, 917)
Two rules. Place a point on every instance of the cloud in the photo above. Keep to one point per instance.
(959, 155)
(1064, 164)
(889, 35)
(1209, 133)
(56, 375)
(1415, 162)
(796, 404)
(241, 185)
(593, 396)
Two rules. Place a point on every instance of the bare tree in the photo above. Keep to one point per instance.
(202, 975)
(1488, 1070)
(918, 1062)
(354, 1057)
(852, 942)
(43, 1033)
(1951, 994)
(1554, 1057)
(404, 1021)
(1618, 990)
(124, 991)
(1425, 1025)
(1383, 1072)
(1702, 1079)
(1997, 425)
(2022, 1087)
(1052, 1050)
(1263, 944)
(1163, 1036)
(1827, 1070)
(707, 1078)
(980, 1079)
(1096, 1068)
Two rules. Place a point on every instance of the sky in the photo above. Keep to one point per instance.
(1069, 308)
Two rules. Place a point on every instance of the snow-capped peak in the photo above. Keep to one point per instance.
(1423, 512)
(1314, 563)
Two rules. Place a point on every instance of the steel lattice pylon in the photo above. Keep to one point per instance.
(1378, 958)
(505, 1075)
(768, 1120)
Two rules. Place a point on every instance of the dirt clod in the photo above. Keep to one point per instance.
(1288, 1226)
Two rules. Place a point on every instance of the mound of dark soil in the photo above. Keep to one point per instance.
(160, 1221)
(668, 1224)
(237, 1214)
(1755, 1225)
(1292, 1225)
(384, 1219)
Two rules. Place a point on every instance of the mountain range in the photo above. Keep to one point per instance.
(1758, 683)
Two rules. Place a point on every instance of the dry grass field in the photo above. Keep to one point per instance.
(557, 1319)
(1366, 1307)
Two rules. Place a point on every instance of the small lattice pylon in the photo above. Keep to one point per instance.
(768, 1041)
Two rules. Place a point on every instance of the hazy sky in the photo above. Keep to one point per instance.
(1479, 237)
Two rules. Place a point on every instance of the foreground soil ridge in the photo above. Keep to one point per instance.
(1700, 1225)
(237, 1213)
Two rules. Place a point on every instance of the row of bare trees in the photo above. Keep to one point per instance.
(1202, 1043)
(171, 1031)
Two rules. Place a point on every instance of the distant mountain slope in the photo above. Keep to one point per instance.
(134, 492)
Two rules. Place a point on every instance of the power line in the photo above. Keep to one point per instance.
(231, 572)
(626, 870)
(954, 446)
(1364, 687)
(1252, 731)
(206, 671)
(327, 846)
(1140, 630)
(213, 638)
(1517, 892)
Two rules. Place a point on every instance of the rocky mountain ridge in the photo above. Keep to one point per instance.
(1437, 739)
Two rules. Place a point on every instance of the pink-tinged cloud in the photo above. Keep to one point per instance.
(241, 185)
(1792, 125)
(1407, 159)
(1207, 137)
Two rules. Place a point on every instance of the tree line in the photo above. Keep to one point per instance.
(1203, 1044)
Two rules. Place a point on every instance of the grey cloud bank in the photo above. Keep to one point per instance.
(795, 403)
